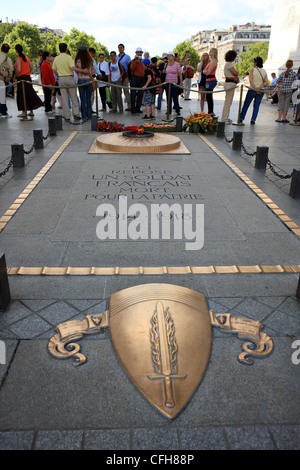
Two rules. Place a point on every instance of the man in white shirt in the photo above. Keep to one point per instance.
(116, 72)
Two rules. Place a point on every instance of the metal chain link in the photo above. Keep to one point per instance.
(228, 140)
(46, 137)
(2, 173)
(283, 177)
(27, 152)
(246, 151)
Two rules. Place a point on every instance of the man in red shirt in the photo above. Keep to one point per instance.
(137, 80)
(47, 79)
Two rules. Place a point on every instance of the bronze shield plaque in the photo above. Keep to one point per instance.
(162, 336)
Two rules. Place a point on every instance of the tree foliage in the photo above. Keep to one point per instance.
(78, 38)
(26, 35)
(32, 40)
(259, 49)
(5, 28)
(193, 54)
(49, 42)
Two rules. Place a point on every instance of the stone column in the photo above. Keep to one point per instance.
(285, 36)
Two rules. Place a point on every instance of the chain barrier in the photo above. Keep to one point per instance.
(271, 166)
(2, 173)
(46, 136)
(27, 152)
(269, 163)
(246, 151)
(228, 140)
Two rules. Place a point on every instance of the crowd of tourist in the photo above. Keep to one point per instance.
(142, 80)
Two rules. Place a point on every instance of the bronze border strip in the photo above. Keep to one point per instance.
(288, 222)
(145, 270)
(15, 206)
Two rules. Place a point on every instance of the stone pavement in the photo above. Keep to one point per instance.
(48, 404)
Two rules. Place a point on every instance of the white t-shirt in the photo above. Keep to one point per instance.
(102, 67)
(114, 72)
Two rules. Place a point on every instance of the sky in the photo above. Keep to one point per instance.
(157, 26)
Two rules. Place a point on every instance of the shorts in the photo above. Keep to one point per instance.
(284, 101)
(149, 98)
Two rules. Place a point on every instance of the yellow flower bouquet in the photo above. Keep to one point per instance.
(200, 122)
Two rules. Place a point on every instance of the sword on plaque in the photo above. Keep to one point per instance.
(164, 351)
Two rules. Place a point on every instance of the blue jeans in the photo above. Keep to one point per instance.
(159, 99)
(85, 93)
(257, 97)
(136, 95)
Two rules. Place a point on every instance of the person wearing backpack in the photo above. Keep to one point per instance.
(188, 73)
(125, 60)
(6, 72)
(149, 95)
(137, 80)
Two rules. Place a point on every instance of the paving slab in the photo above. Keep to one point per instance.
(99, 394)
(96, 406)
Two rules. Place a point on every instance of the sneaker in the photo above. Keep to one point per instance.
(146, 117)
(252, 123)
(277, 120)
(77, 118)
(6, 116)
(152, 117)
(229, 121)
(284, 121)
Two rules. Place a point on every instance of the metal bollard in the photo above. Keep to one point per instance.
(38, 138)
(4, 286)
(295, 184)
(52, 125)
(94, 122)
(261, 158)
(179, 121)
(17, 152)
(237, 140)
(58, 118)
(220, 129)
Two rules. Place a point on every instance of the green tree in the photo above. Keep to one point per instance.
(5, 28)
(78, 38)
(259, 49)
(193, 54)
(28, 36)
(49, 42)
